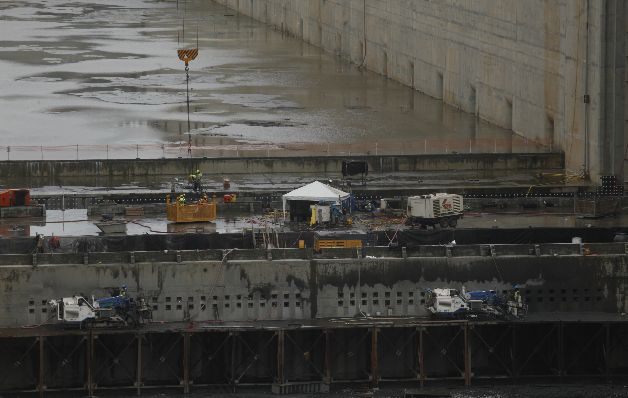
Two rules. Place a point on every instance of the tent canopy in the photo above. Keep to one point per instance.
(315, 192)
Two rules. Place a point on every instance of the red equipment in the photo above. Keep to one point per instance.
(15, 197)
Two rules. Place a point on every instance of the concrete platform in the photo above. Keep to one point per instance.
(35, 211)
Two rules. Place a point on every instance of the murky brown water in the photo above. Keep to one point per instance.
(105, 72)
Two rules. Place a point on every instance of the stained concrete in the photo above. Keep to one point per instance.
(198, 286)
(523, 65)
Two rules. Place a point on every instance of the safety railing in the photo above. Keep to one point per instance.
(428, 146)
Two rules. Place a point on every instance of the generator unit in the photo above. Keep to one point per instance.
(442, 209)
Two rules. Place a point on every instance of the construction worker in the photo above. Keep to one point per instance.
(515, 303)
(40, 243)
(54, 242)
(181, 199)
(197, 181)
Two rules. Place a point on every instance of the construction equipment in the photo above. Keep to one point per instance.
(179, 211)
(481, 304)
(15, 197)
(428, 210)
(339, 239)
(117, 310)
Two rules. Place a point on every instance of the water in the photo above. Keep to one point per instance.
(106, 72)
(546, 390)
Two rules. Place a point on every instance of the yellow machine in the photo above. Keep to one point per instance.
(337, 244)
(179, 211)
(339, 239)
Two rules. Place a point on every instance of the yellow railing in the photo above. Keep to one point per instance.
(193, 212)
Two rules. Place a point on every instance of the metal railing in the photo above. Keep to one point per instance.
(428, 146)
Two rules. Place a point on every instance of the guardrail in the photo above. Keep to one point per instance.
(366, 254)
(514, 144)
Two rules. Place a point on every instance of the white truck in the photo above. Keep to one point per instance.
(442, 209)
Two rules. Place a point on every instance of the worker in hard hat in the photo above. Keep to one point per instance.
(195, 179)
(181, 199)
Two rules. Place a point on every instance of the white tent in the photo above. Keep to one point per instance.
(315, 192)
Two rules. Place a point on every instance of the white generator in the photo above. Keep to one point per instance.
(443, 209)
(320, 214)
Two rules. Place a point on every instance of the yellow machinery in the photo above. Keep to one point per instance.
(201, 211)
(337, 244)
(339, 239)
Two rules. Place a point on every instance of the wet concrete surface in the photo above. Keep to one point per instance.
(77, 223)
(106, 72)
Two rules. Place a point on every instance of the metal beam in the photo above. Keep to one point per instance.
(328, 371)
(40, 384)
(234, 341)
(281, 336)
(89, 360)
(186, 362)
(467, 356)
(421, 357)
(138, 382)
(374, 358)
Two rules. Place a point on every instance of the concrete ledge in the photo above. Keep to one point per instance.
(23, 212)
(489, 164)
(366, 254)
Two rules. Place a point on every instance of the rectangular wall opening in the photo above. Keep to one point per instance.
(440, 88)
(473, 104)
(385, 64)
(549, 131)
(509, 113)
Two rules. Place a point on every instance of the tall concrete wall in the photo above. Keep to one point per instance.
(248, 287)
(525, 65)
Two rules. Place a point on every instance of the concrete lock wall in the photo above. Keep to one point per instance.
(67, 172)
(523, 65)
(318, 288)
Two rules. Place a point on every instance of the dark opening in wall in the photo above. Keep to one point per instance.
(549, 131)
(440, 88)
(385, 64)
(411, 71)
(473, 103)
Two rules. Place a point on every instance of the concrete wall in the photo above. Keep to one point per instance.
(524, 65)
(292, 286)
(100, 172)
